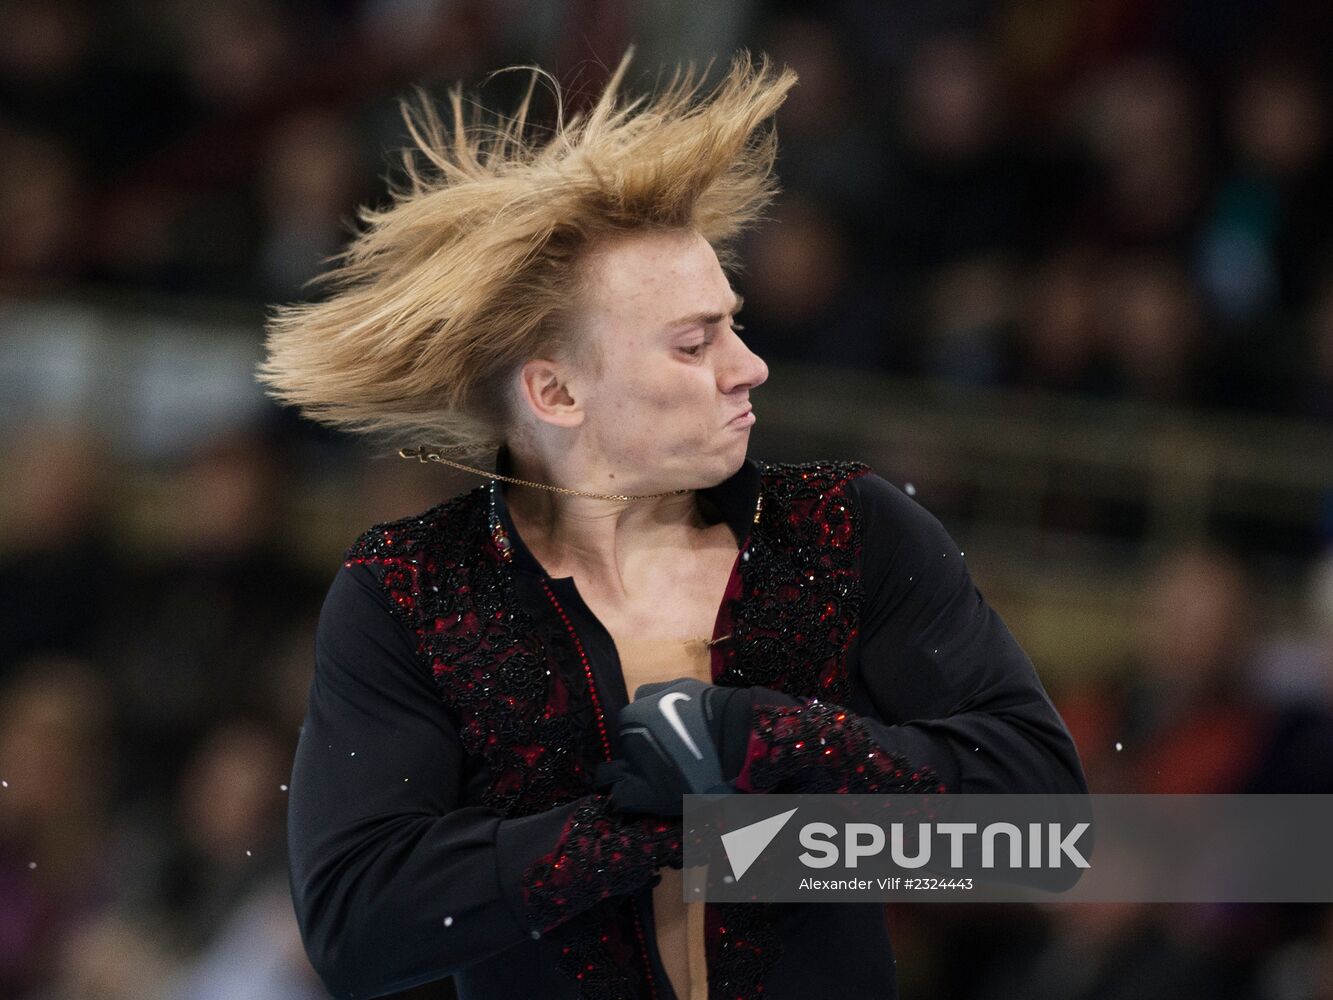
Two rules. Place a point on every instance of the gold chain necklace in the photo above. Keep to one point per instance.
(422, 454)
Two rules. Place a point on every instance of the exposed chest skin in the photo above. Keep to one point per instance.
(658, 636)
(676, 597)
(448, 575)
(681, 602)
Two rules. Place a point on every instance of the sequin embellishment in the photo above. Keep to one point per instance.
(820, 748)
(526, 713)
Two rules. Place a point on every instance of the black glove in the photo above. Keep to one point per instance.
(680, 737)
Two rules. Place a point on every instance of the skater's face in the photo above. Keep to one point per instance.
(675, 375)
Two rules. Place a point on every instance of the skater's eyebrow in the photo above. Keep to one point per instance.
(708, 318)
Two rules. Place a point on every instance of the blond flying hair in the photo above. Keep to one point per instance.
(475, 266)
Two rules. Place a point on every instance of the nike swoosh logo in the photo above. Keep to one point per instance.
(668, 707)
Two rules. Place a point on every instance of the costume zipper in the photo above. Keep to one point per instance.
(606, 750)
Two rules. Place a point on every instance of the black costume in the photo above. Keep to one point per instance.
(442, 814)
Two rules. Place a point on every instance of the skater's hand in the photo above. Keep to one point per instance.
(680, 737)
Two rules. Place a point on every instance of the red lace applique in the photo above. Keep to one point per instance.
(526, 710)
(819, 748)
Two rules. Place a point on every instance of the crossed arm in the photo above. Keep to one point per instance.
(397, 882)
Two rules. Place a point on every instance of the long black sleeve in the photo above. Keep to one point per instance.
(395, 881)
(959, 705)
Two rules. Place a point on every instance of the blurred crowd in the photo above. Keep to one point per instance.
(1131, 201)
(150, 705)
(1127, 201)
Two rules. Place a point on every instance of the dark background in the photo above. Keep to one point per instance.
(1062, 270)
